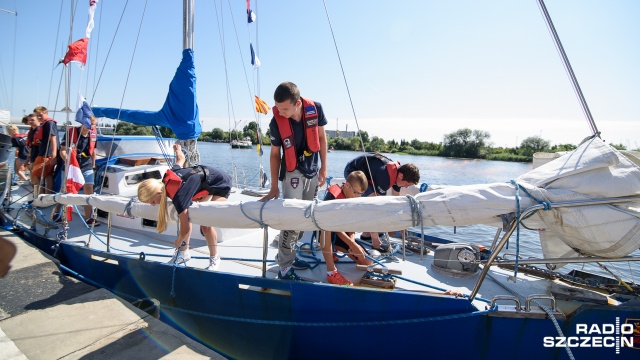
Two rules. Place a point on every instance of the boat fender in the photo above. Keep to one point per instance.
(456, 259)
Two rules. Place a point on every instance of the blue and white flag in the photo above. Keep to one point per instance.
(254, 59)
(84, 112)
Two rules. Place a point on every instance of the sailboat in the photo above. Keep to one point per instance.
(509, 308)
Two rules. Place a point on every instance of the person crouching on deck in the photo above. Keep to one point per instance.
(344, 242)
(183, 186)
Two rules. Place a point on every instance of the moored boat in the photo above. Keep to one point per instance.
(511, 308)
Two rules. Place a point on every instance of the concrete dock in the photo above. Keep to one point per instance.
(46, 315)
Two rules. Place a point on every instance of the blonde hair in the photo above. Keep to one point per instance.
(147, 190)
(13, 128)
(358, 178)
(41, 109)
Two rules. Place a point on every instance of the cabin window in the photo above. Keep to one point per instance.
(135, 179)
(149, 223)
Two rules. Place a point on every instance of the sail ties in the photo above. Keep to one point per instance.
(416, 219)
(258, 221)
(309, 213)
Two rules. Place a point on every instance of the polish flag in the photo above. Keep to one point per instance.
(75, 179)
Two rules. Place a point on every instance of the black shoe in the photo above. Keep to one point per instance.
(92, 221)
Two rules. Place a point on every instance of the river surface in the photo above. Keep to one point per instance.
(433, 170)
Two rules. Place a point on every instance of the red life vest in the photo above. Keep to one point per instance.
(20, 136)
(391, 166)
(336, 191)
(310, 122)
(37, 137)
(93, 137)
(172, 183)
(30, 135)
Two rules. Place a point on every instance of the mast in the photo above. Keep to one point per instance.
(191, 145)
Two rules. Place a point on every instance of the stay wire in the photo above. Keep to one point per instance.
(104, 65)
(568, 68)
(346, 84)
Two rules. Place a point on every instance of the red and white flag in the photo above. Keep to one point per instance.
(78, 50)
(92, 11)
(75, 179)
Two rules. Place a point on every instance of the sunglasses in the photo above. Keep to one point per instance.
(354, 191)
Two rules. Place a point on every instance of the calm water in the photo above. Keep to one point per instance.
(433, 170)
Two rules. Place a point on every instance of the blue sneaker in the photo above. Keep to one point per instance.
(290, 276)
(299, 264)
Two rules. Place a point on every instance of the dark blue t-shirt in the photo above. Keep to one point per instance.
(378, 174)
(21, 145)
(307, 165)
(82, 151)
(48, 128)
(218, 180)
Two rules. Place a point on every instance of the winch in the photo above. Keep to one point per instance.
(456, 259)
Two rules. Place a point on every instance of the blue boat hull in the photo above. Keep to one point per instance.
(253, 317)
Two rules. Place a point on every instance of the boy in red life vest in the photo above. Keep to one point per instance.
(383, 174)
(344, 242)
(84, 140)
(297, 127)
(22, 152)
(47, 140)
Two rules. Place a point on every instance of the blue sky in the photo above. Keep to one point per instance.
(414, 69)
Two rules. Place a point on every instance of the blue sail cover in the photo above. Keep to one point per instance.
(180, 110)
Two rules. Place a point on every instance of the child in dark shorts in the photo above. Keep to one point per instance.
(343, 241)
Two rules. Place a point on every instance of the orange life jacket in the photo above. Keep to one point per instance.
(172, 182)
(37, 137)
(30, 135)
(93, 137)
(310, 122)
(336, 191)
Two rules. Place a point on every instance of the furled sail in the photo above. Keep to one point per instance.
(180, 110)
(594, 170)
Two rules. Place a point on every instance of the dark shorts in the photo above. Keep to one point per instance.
(336, 241)
(222, 193)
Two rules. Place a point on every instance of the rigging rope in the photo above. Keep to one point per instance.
(568, 68)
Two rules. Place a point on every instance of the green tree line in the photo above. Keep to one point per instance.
(462, 143)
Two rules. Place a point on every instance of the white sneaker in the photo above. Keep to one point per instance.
(214, 263)
(181, 257)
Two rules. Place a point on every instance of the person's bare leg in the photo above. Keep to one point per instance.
(88, 209)
(327, 251)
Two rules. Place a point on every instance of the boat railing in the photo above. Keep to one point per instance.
(514, 223)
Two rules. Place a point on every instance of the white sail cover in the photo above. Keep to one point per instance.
(593, 171)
